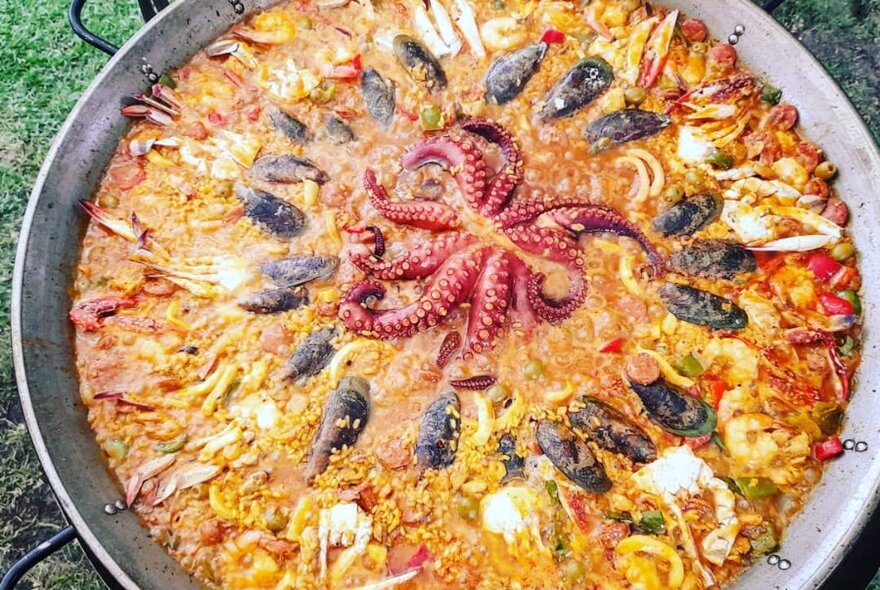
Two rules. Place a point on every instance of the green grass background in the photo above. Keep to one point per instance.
(43, 70)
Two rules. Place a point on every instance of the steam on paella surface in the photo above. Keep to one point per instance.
(466, 295)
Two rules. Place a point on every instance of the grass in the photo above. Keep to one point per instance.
(44, 68)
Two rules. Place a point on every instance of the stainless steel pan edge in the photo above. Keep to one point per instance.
(49, 242)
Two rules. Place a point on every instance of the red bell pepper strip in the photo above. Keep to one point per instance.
(823, 266)
(612, 345)
(834, 305)
(551, 36)
(825, 450)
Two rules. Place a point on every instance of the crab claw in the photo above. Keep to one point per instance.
(657, 50)
(151, 114)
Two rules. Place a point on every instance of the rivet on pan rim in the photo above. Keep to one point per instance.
(861, 446)
(120, 505)
(110, 509)
(237, 6)
(784, 564)
(773, 559)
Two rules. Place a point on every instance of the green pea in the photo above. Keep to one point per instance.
(172, 446)
(498, 5)
(573, 571)
(431, 117)
(324, 93)
(853, 299)
(635, 95)
(116, 448)
(766, 542)
(693, 177)
(719, 159)
(652, 522)
(690, 366)
(553, 490)
(771, 95)
(468, 507)
(828, 415)
(826, 170)
(533, 369)
(276, 520)
(498, 393)
(673, 193)
(842, 251)
(619, 516)
(847, 346)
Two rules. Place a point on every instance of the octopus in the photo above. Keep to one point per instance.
(459, 267)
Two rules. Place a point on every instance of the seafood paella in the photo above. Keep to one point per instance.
(466, 294)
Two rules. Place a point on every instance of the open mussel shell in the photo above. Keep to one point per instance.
(583, 84)
(312, 355)
(439, 432)
(338, 131)
(293, 128)
(702, 308)
(676, 412)
(571, 455)
(509, 74)
(514, 463)
(346, 413)
(623, 126)
(271, 214)
(379, 96)
(286, 169)
(297, 270)
(610, 429)
(713, 259)
(689, 215)
(421, 65)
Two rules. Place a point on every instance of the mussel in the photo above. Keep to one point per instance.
(419, 63)
(514, 463)
(293, 128)
(312, 355)
(714, 259)
(271, 214)
(509, 74)
(688, 215)
(572, 456)
(676, 412)
(295, 271)
(273, 300)
(379, 96)
(439, 432)
(702, 308)
(286, 169)
(610, 429)
(585, 82)
(338, 131)
(623, 126)
(346, 412)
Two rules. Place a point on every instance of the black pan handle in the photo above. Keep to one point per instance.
(149, 9)
(36, 555)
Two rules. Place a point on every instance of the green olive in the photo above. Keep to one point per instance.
(468, 507)
(842, 251)
(673, 193)
(533, 369)
(699, 48)
(498, 393)
(275, 519)
(116, 448)
(634, 96)
(826, 170)
(574, 571)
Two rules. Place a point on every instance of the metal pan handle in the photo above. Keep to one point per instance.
(149, 9)
(35, 556)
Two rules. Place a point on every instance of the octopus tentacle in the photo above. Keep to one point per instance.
(591, 219)
(511, 175)
(521, 311)
(447, 289)
(463, 158)
(553, 244)
(528, 209)
(419, 262)
(420, 213)
(489, 304)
